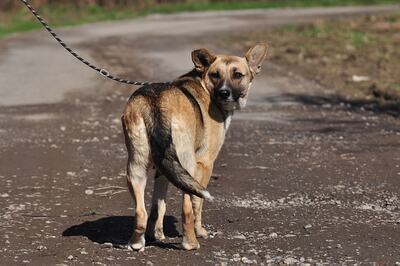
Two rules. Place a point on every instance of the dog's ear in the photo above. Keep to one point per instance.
(255, 57)
(202, 59)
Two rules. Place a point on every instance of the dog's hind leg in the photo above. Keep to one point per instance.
(156, 219)
(203, 174)
(189, 241)
(138, 161)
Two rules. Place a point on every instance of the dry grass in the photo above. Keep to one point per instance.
(335, 53)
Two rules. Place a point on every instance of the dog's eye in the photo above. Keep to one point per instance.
(215, 75)
(237, 75)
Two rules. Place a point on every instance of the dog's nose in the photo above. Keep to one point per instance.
(224, 94)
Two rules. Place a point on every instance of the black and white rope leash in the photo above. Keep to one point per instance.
(102, 71)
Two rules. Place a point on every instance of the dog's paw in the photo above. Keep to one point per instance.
(190, 245)
(156, 235)
(201, 232)
(138, 245)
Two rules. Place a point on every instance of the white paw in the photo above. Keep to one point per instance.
(201, 232)
(190, 245)
(138, 246)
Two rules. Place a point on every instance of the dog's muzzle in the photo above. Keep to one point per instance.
(231, 99)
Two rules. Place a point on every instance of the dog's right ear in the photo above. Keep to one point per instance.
(202, 59)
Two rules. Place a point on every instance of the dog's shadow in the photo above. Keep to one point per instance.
(117, 230)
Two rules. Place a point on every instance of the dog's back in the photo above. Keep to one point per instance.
(163, 124)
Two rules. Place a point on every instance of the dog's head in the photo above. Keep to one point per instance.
(228, 78)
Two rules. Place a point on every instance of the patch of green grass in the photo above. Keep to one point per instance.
(396, 86)
(67, 15)
(318, 31)
(289, 28)
(358, 38)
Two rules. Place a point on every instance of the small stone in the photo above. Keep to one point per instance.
(95, 139)
(248, 261)
(4, 195)
(89, 192)
(63, 128)
(290, 261)
(71, 173)
(307, 226)
(239, 236)
(107, 245)
(70, 257)
(273, 235)
(41, 247)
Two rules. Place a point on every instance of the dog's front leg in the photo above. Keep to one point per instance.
(203, 174)
(189, 237)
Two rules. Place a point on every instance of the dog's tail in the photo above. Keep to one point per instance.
(180, 177)
(166, 158)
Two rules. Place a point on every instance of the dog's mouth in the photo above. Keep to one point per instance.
(230, 105)
(237, 104)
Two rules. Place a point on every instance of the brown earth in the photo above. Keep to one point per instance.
(304, 175)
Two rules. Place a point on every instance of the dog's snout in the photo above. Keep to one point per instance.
(224, 93)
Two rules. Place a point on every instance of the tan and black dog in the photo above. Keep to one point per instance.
(179, 129)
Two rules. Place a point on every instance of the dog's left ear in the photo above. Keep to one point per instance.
(202, 59)
(255, 57)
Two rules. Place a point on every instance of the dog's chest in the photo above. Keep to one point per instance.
(213, 140)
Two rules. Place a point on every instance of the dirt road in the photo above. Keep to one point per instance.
(304, 176)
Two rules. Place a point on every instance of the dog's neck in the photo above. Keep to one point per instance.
(198, 76)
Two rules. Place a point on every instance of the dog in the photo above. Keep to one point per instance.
(178, 128)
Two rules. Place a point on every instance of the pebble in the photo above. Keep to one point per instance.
(4, 195)
(307, 226)
(69, 173)
(107, 245)
(41, 247)
(89, 192)
(290, 260)
(70, 257)
(245, 260)
(273, 235)
(239, 236)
